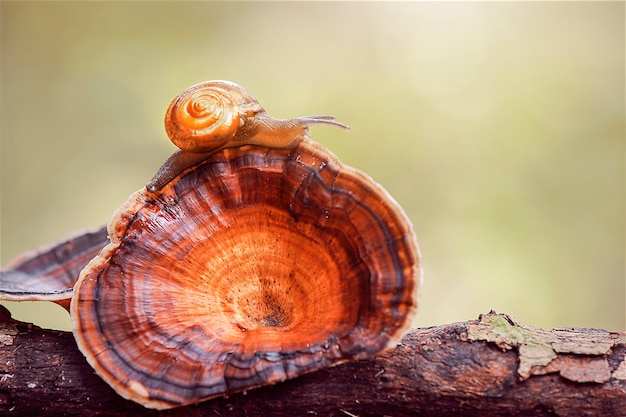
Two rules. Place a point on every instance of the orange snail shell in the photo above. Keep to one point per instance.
(207, 115)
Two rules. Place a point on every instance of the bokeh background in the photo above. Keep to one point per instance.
(499, 127)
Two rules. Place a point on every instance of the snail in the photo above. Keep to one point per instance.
(251, 266)
(214, 115)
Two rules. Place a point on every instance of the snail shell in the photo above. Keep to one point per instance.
(255, 266)
(206, 116)
(214, 115)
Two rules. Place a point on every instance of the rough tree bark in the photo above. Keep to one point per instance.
(491, 366)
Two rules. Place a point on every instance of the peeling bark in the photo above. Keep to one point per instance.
(491, 366)
(580, 355)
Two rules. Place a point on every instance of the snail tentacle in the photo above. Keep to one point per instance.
(323, 120)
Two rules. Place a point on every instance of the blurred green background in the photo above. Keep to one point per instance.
(499, 127)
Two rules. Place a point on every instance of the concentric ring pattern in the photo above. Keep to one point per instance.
(255, 266)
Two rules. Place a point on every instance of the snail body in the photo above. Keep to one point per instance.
(214, 115)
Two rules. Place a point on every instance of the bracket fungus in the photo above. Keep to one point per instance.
(252, 261)
(50, 272)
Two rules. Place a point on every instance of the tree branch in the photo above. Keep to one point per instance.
(492, 366)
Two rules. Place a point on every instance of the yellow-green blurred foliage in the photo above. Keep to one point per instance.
(499, 127)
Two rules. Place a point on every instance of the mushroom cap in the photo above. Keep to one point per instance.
(50, 272)
(255, 266)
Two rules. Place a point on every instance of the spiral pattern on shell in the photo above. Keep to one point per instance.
(207, 115)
